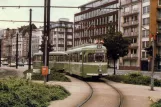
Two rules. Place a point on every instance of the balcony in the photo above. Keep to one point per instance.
(126, 2)
(132, 12)
(130, 23)
(134, 45)
(129, 2)
(131, 56)
(131, 34)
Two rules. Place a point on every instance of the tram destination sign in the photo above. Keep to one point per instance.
(99, 46)
(99, 51)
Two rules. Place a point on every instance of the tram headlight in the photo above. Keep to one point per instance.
(100, 70)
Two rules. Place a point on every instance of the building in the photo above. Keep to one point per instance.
(131, 27)
(155, 29)
(61, 35)
(36, 40)
(7, 43)
(91, 23)
(20, 46)
(145, 62)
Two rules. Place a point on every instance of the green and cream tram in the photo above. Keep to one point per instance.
(87, 61)
(56, 60)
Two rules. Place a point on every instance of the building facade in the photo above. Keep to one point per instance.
(131, 27)
(155, 29)
(61, 35)
(91, 23)
(145, 62)
(7, 44)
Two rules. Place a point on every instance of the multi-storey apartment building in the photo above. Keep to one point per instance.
(20, 46)
(7, 43)
(131, 27)
(62, 34)
(36, 40)
(145, 62)
(91, 23)
(155, 29)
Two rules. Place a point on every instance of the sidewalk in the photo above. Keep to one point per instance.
(137, 95)
(79, 92)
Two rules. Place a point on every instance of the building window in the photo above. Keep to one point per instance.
(145, 0)
(134, 51)
(146, 9)
(145, 33)
(146, 21)
(144, 55)
(159, 2)
(145, 44)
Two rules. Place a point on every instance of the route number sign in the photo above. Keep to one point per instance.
(44, 70)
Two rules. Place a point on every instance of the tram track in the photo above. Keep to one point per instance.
(104, 81)
(121, 98)
(88, 98)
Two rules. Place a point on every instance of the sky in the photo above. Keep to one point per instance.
(37, 13)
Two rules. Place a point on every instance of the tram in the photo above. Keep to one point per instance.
(55, 60)
(88, 60)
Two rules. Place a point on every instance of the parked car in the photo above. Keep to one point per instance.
(12, 65)
(5, 63)
(20, 64)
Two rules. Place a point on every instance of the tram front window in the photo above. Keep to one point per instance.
(99, 57)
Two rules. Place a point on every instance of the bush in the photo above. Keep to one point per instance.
(134, 78)
(54, 76)
(157, 104)
(21, 93)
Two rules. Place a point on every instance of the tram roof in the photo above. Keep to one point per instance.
(53, 53)
(85, 47)
(58, 53)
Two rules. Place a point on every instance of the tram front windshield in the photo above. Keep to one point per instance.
(99, 57)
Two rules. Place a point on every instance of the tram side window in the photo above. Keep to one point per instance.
(34, 58)
(99, 57)
(80, 56)
(91, 57)
(54, 58)
(66, 57)
(38, 58)
(51, 58)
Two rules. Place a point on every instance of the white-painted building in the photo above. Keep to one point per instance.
(145, 33)
(131, 27)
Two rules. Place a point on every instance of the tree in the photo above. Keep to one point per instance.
(116, 45)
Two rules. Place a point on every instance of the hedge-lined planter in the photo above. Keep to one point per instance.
(53, 76)
(134, 78)
(157, 104)
(21, 93)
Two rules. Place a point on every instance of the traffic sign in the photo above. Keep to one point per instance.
(45, 70)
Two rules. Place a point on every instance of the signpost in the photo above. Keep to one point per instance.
(45, 70)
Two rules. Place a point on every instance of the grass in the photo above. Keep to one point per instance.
(21, 93)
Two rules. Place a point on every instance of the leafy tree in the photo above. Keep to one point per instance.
(116, 45)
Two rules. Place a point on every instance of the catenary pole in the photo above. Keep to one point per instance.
(30, 36)
(48, 32)
(17, 51)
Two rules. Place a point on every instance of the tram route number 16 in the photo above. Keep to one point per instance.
(99, 46)
(44, 70)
